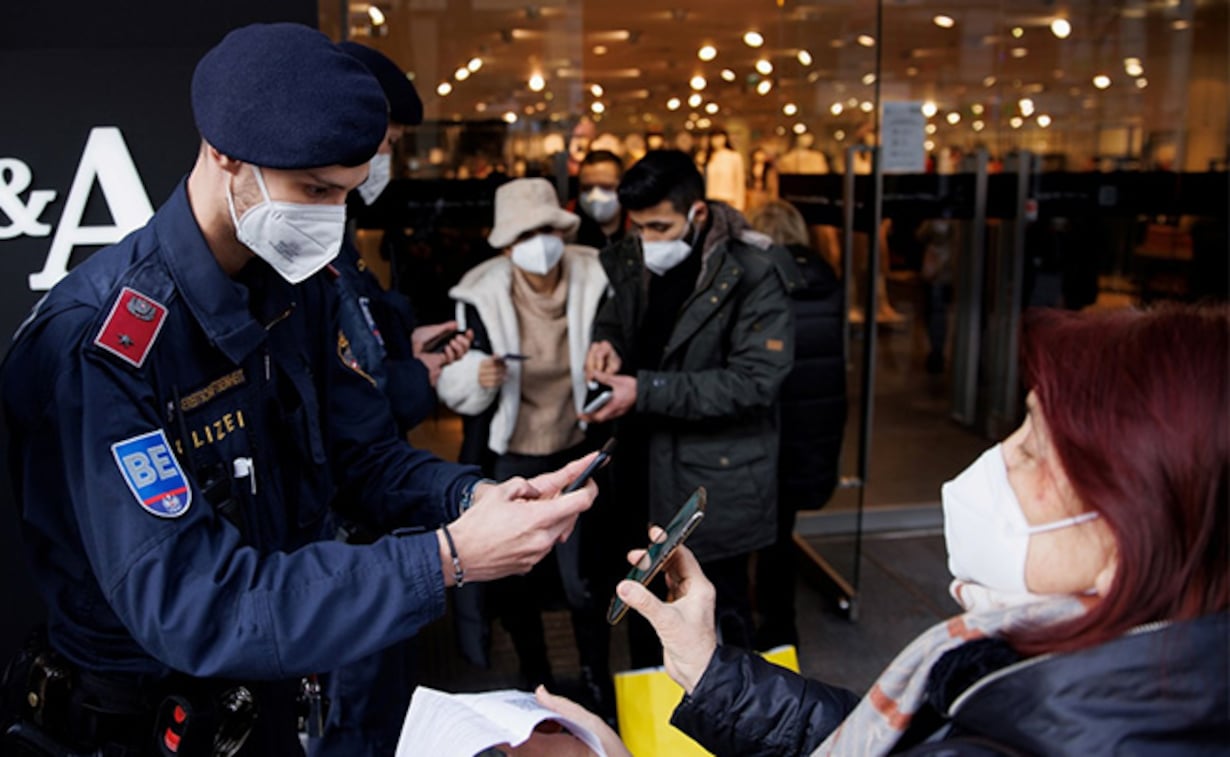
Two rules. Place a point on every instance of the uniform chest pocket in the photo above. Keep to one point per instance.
(300, 415)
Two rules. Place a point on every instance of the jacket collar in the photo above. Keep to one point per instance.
(218, 304)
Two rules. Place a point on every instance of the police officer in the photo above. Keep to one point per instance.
(182, 407)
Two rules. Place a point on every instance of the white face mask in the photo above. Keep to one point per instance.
(984, 528)
(378, 173)
(662, 256)
(538, 254)
(296, 239)
(600, 204)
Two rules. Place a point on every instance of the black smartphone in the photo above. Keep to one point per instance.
(683, 524)
(438, 342)
(597, 394)
(604, 455)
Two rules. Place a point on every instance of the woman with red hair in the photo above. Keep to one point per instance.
(1090, 550)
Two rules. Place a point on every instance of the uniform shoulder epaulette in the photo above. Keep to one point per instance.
(131, 327)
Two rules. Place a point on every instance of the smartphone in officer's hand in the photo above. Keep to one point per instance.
(439, 342)
(683, 524)
(604, 455)
(596, 396)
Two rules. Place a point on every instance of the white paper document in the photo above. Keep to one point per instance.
(462, 725)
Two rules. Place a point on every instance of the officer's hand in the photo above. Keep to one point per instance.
(549, 738)
(602, 358)
(684, 623)
(492, 372)
(513, 525)
(623, 398)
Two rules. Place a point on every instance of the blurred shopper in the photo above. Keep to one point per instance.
(603, 220)
(523, 385)
(696, 340)
(939, 239)
(1089, 552)
(813, 417)
(369, 698)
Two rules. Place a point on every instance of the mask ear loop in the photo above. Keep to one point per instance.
(1075, 520)
(230, 195)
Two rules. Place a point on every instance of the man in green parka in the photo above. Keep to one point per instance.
(695, 339)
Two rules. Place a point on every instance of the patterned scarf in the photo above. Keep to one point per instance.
(879, 720)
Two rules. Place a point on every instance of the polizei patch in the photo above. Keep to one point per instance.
(153, 474)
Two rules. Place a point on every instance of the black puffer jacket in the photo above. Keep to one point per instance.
(813, 397)
(1160, 690)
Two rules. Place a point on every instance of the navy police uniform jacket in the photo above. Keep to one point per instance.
(176, 436)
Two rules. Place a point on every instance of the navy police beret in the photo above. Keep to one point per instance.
(405, 107)
(284, 96)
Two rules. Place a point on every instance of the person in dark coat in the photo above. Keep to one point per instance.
(1089, 551)
(813, 413)
(603, 221)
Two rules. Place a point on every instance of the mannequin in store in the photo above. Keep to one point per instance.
(886, 314)
(761, 179)
(725, 179)
(803, 157)
(634, 148)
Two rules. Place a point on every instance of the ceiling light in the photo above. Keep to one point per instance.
(978, 125)
(1017, 32)
(1142, 82)
(869, 79)
(800, 128)
(866, 106)
(1101, 81)
(1027, 106)
(695, 100)
(930, 128)
(805, 58)
(764, 66)
(813, 77)
(989, 81)
(764, 86)
(598, 107)
(866, 40)
(929, 109)
(376, 15)
(728, 75)
(944, 22)
(1016, 122)
(706, 53)
(976, 109)
(928, 145)
(689, 125)
(673, 103)
(753, 39)
(711, 108)
(510, 117)
(1043, 120)
(1179, 24)
(481, 107)
(1132, 67)
(1061, 28)
(780, 131)
(704, 123)
(1019, 52)
(443, 88)
(954, 118)
(461, 74)
(912, 71)
(852, 102)
(839, 135)
(790, 109)
(698, 82)
(475, 64)
(836, 109)
(596, 90)
(537, 83)
(599, 49)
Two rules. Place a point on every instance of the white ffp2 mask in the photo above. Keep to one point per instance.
(664, 255)
(378, 173)
(538, 254)
(295, 239)
(985, 529)
(602, 205)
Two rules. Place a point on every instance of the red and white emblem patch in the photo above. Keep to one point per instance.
(131, 326)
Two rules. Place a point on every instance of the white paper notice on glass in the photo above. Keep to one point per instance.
(462, 725)
(902, 134)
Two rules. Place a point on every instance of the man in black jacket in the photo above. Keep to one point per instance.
(695, 341)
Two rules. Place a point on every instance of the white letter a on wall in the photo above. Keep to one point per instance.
(105, 158)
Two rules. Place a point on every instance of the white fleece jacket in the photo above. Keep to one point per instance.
(487, 287)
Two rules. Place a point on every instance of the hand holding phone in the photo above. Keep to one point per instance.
(604, 456)
(678, 530)
(596, 396)
(439, 342)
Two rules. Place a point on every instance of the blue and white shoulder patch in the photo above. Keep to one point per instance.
(152, 473)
